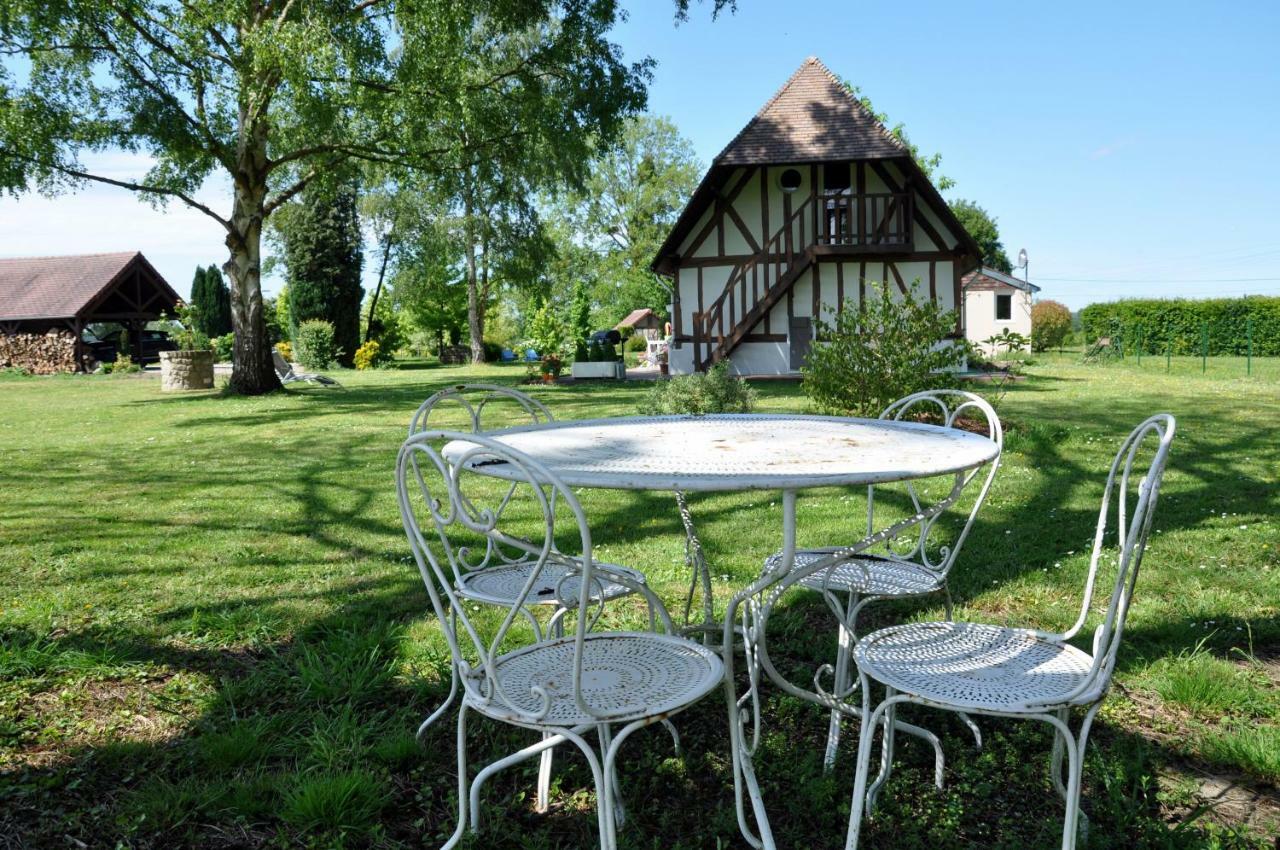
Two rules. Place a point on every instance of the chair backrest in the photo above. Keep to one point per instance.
(950, 409)
(283, 369)
(1133, 513)
(446, 507)
(507, 408)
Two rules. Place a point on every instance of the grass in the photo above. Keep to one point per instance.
(211, 636)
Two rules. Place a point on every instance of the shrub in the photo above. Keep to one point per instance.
(714, 391)
(594, 352)
(492, 351)
(636, 342)
(367, 355)
(878, 352)
(1177, 323)
(581, 352)
(1050, 324)
(608, 353)
(286, 349)
(313, 344)
(546, 335)
(224, 347)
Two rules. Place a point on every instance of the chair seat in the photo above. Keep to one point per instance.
(630, 675)
(501, 585)
(866, 576)
(973, 666)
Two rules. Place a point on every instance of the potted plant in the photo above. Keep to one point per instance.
(551, 368)
(191, 366)
(661, 356)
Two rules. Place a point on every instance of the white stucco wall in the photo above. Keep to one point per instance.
(980, 320)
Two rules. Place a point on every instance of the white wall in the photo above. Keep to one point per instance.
(980, 314)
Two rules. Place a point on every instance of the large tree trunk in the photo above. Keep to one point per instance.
(253, 371)
(475, 307)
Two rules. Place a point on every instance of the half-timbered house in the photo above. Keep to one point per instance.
(809, 205)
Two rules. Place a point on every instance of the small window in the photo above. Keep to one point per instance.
(789, 180)
(836, 177)
(1004, 308)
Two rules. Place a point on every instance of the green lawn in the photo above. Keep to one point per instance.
(210, 634)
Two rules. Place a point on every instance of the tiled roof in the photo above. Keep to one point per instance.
(634, 317)
(986, 276)
(56, 287)
(812, 118)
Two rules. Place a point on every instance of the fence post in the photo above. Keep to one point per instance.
(1204, 347)
(1168, 352)
(1248, 357)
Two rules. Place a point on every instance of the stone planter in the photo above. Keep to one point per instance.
(186, 370)
(614, 371)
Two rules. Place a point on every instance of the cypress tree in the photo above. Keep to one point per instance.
(212, 299)
(322, 253)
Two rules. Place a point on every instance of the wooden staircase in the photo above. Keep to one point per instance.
(754, 287)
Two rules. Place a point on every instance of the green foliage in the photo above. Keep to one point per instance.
(1050, 324)
(275, 315)
(186, 334)
(212, 300)
(322, 252)
(1157, 323)
(123, 365)
(286, 349)
(313, 344)
(607, 233)
(636, 342)
(889, 348)
(268, 98)
(609, 353)
(1008, 339)
(368, 355)
(580, 314)
(595, 353)
(982, 227)
(546, 334)
(713, 391)
(223, 347)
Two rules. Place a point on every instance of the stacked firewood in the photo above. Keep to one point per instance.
(41, 354)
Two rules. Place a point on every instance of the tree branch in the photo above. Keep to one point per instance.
(124, 184)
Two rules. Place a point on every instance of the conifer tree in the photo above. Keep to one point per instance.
(322, 252)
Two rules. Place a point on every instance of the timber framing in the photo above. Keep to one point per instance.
(809, 202)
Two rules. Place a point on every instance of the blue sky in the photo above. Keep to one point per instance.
(1130, 148)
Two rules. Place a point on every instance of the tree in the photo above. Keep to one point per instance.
(632, 195)
(212, 301)
(323, 261)
(1050, 324)
(271, 94)
(928, 163)
(982, 227)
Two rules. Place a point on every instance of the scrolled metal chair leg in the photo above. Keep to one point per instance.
(444, 706)
(462, 780)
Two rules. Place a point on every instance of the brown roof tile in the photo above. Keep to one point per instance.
(812, 118)
(55, 287)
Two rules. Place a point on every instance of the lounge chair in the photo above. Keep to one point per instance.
(288, 376)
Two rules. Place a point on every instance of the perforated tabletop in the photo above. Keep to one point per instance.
(738, 451)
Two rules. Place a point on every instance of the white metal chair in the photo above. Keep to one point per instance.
(850, 585)
(287, 375)
(609, 683)
(1020, 673)
(500, 577)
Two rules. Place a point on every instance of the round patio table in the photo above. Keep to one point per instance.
(737, 452)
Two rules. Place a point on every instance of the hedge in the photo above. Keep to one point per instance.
(1158, 323)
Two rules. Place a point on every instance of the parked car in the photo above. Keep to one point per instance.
(106, 348)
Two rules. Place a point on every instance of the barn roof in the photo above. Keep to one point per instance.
(812, 118)
(34, 288)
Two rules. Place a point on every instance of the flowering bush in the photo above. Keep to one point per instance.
(367, 355)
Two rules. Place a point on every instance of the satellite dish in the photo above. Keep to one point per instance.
(1022, 258)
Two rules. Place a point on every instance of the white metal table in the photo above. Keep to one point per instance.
(737, 452)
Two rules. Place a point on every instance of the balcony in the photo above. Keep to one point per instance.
(874, 221)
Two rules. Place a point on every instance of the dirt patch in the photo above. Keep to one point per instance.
(1229, 799)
